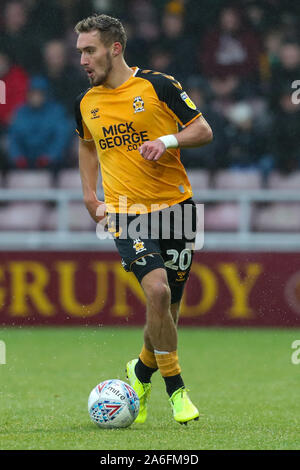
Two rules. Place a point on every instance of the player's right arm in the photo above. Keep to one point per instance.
(88, 165)
(89, 172)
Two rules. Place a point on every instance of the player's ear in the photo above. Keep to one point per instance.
(117, 49)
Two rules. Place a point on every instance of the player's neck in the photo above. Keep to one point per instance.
(119, 75)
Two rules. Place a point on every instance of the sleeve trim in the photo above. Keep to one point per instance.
(80, 129)
(192, 120)
(81, 138)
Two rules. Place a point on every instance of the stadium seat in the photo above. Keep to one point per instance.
(238, 179)
(22, 216)
(29, 179)
(69, 179)
(280, 216)
(199, 179)
(224, 216)
(79, 218)
(279, 181)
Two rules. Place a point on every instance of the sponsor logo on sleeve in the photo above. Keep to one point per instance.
(188, 100)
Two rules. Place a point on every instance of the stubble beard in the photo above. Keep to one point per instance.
(101, 79)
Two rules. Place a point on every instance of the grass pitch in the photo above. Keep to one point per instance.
(242, 380)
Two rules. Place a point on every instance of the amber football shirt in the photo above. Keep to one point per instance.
(148, 105)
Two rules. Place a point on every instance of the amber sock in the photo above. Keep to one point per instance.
(146, 365)
(170, 370)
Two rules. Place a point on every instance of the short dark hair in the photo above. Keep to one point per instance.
(111, 29)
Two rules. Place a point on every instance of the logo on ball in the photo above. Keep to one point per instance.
(113, 404)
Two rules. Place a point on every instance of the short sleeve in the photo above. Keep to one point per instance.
(81, 127)
(169, 91)
(178, 101)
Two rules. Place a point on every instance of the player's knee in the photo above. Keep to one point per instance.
(159, 294)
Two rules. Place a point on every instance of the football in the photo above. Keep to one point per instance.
(113, 404)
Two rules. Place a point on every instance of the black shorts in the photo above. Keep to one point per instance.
(161, 239)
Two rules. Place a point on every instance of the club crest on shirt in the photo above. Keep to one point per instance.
(94, 113)
(138, 245)
(187, 100)
(180, 276)
(138, 104)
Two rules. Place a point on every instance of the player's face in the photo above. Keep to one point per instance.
(96, 59)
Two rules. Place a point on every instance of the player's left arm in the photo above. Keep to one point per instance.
(196, 134)
(196, 130)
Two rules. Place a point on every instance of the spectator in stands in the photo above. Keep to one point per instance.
(231, 89)
(286, 71)
(272, 40)
(47, 19)
(137, 47)
(18, 38)
(284, 135)
(16, 83)
(176, 41)
(162, 60)
(260, 14)
(75, 10)
(225, 92)
(214, 155)
(247, 141)
(201, 15)
(15, 86)
(143, 26)
(289, 21)
(231, 48)
(40, 131)
(59, 73)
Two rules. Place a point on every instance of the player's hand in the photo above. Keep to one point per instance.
(97, 209)
(101, 211)
(152, 149)
(101, 215)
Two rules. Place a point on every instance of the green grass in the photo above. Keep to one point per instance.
(242, 380)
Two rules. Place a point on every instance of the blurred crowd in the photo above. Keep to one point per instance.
(236, 60)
